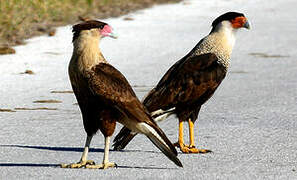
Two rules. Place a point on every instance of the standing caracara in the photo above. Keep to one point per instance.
(191, 81)
(105, 96)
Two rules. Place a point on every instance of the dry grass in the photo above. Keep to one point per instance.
(6, 110)
(47, 101)
(39, 108)
(21, 19)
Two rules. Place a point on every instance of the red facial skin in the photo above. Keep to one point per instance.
(106, 31)
(238, 22)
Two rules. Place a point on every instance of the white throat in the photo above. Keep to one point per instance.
(86, 49)
(227, 32)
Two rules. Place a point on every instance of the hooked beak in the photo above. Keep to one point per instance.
(112, 35)
(107, 31)
(247, 25)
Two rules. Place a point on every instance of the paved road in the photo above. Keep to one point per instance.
(250, 123)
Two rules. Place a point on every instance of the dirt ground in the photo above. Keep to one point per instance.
(19, 34)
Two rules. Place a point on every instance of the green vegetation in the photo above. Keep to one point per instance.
(21, 19)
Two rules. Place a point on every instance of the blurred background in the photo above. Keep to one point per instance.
(21, 19)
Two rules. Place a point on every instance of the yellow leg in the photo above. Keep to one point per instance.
(191, 147)
(191, 134)
(188, 148)
(181, 134)
(184, 148)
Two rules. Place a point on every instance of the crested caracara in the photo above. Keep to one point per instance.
(105, 96)
(191, 81)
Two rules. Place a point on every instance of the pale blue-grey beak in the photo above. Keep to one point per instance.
(247, 25)
(113, 35)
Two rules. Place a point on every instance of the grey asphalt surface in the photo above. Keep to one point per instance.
(250, 124)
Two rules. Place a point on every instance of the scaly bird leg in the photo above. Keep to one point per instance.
(83, 161)
(180, 134)
(105, 164)
(191, 134)
(191, 148)
(180, 142)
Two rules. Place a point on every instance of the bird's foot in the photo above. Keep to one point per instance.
(81, 164)
(102, 166)
(183, 145)
(191, 149)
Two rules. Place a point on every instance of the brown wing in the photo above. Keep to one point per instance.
(108, 84)
(189, 81)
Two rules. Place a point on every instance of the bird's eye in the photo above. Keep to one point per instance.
(101, 26)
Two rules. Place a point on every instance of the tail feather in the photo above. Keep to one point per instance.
(163, 116)
(123, 138)
(159, 139)
(160, 112)
(156, 136)
(153, 132)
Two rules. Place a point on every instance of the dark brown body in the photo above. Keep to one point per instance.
(186, 86)
(96, 113)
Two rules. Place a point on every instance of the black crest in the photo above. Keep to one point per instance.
(87, 25)
(226, 16)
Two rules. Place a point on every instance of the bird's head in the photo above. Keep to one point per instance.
(234, 20)
(93, 29)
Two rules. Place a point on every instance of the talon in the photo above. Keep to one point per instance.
(202, 151)
(178, 145)
(205, 151)
(63, 165)
(182, 145)
(109, 165)
(93, 166)
(194, 150)
(80, 164)
(90, 162)
(102, 166)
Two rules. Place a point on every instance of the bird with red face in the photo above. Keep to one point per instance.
(105, 97)
(192, 80)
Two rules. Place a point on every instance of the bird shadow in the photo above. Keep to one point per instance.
(59, 165)
(72, 149)
(142, 167)
(28, 165)
(136, 151)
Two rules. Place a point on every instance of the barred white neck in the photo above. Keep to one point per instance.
(220, 41)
